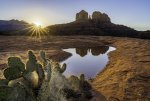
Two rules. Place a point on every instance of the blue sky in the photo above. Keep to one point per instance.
(133, 13)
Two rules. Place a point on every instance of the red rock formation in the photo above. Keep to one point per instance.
(82, 16)
(100, 17)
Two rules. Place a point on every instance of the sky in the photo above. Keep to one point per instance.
(132, 13)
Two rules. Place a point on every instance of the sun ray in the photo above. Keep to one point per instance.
(36, 31)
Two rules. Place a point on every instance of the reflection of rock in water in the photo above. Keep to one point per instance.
(99, 50)
(94, 50)
(82, 51)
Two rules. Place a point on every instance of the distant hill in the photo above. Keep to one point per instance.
(12, 27)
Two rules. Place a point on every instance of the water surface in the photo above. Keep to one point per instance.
(89, 61)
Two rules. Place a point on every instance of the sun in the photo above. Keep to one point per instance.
(38, 24)
(36, 30)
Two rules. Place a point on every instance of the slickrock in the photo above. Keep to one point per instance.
(127, 76)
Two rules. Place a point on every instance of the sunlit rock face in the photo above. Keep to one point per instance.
(96, 17)
(82, 16)
(100, 17)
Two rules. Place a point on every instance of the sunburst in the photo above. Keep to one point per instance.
(35, 31)
(38, 24)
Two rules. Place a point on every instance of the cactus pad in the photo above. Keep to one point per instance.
(15, 68)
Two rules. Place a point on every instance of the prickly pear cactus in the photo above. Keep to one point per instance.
(49, 80)
(14, 62)
(34, 71)
(40, 72)
(15, 68)
(82, 78)
(31, 56)
(32, 78)
(32, 62)
(85, 86)
(42, 55)
(58, 68)
(74, 82)
(12, 73)
(47, 72)
(63, 68)
(47, 66)
(51, 90)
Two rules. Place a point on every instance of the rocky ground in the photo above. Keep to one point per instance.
(125, 78)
